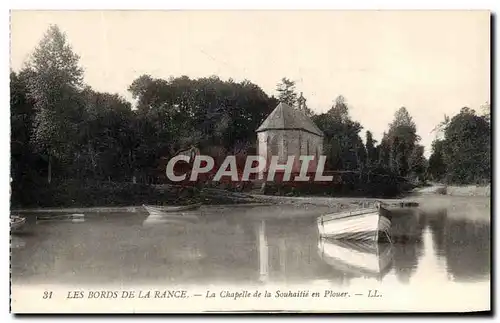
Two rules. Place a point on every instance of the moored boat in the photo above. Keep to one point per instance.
(16, 222)
(164, 209)
(369, 224)
(163, 212)
(361, 258)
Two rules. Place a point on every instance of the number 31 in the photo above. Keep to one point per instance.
(47, 295)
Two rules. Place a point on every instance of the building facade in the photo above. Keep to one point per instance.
(289, 132)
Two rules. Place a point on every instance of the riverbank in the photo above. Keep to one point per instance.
(331, 204)
(279, 207)
(115, 209)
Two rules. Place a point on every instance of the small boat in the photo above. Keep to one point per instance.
(164, 209)
(369, 224)
(75, 216)
(361, 258)
(16, 222)
(160, 212)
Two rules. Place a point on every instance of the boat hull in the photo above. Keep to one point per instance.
(155, 212)
(371, 225)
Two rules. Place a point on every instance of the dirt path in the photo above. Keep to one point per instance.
(455, 190)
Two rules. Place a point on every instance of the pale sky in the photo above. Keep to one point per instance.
(431, 62)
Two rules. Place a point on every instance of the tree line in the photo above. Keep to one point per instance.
(62, 129)
(462, 152)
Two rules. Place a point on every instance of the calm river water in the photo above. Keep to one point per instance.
(448, 243)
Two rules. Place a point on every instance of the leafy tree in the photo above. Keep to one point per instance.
(342, 144)
(54, 84)
(371, 150)
(340, 111)
(360, 149)
(437, 166)
(466, 148)
(418, 163)
(107, 137)
(384, 150)
(441, 127)
(21, 118)
(286, 92)
(402, 119)
(402, 138)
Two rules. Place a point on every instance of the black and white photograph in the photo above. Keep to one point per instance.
(250, 161)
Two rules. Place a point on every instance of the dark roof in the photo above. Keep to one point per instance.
(284, 117)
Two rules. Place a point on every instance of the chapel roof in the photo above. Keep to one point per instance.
(285, 117)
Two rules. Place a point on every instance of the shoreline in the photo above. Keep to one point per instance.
(344, 203)
(415, 199)
(116, 209)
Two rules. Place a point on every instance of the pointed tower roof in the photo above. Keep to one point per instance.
(284, 117)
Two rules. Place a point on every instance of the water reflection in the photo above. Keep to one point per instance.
(363, 259)
(121, 248)
(288, 252)
(463, 244)
(263, 248)
(407, 225)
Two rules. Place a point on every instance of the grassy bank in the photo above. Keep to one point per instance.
(91, 194)
(76, 194)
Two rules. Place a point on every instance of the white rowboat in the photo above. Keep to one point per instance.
(371, 224)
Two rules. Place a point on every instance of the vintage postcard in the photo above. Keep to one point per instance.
(250, 161)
